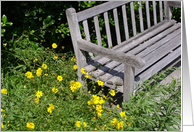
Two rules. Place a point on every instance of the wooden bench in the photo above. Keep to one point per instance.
(134, 59)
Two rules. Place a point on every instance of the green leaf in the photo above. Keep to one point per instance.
(3, 30)
(4, 19)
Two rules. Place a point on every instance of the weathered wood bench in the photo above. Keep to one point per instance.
(138, 57)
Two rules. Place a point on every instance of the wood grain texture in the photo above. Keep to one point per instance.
(133, 18)
(117, 29)
(97, 29)
(141, 17)
(148, 14)
(154, 11)
(125, 22)
(161, 11)
(107, 26)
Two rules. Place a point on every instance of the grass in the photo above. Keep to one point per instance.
(68, 107)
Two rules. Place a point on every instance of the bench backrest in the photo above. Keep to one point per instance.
(122, 27)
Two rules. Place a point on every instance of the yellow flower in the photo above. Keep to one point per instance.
(114, 121)
(28, 74)
(49, 110)
(55, 90)
(52, 106)
(73, 58)
(30, 125)
(122, 114)
(2, 125)
(73, 88)
(104, 96)
(96, 129)
(38, 94)
(120, 125)
(60, 78)
(78, 123)
(78, 84)
(35, 60)
(4, 91)
(46, 75)
(36, 100)
(100, 83)
(83, 70)
(55, 56)
(38, 71)
(84, 124)
(112, 92)
(44, 66)
(89, 103)
(32, 78)
(87, 75)
(118, 106)
(54, 45)
(75, 67)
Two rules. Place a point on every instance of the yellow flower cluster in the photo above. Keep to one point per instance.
(78, 124)
(74, 85)
(117, 124)
(98, 101)
(4, 91)
(2, 126)
(85, 73)
(29, 75)
(38, 95)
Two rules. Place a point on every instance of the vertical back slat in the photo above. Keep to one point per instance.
(141, 17)
(161, 12)
(125, 22)
(96, 24)
(117, 29)
(154, 10)
(86, 30)
(107, 29)
(148, 14)
(133, 18)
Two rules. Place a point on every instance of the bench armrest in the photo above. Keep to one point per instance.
(130, 60)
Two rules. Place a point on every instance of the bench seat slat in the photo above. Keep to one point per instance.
(164, 62)
(145, 52)
(153, 57)
(125, 48)
(113, 64)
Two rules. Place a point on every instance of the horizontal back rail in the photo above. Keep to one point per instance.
(82, 15)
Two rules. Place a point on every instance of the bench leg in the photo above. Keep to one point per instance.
(128, 82)
(82, 80)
